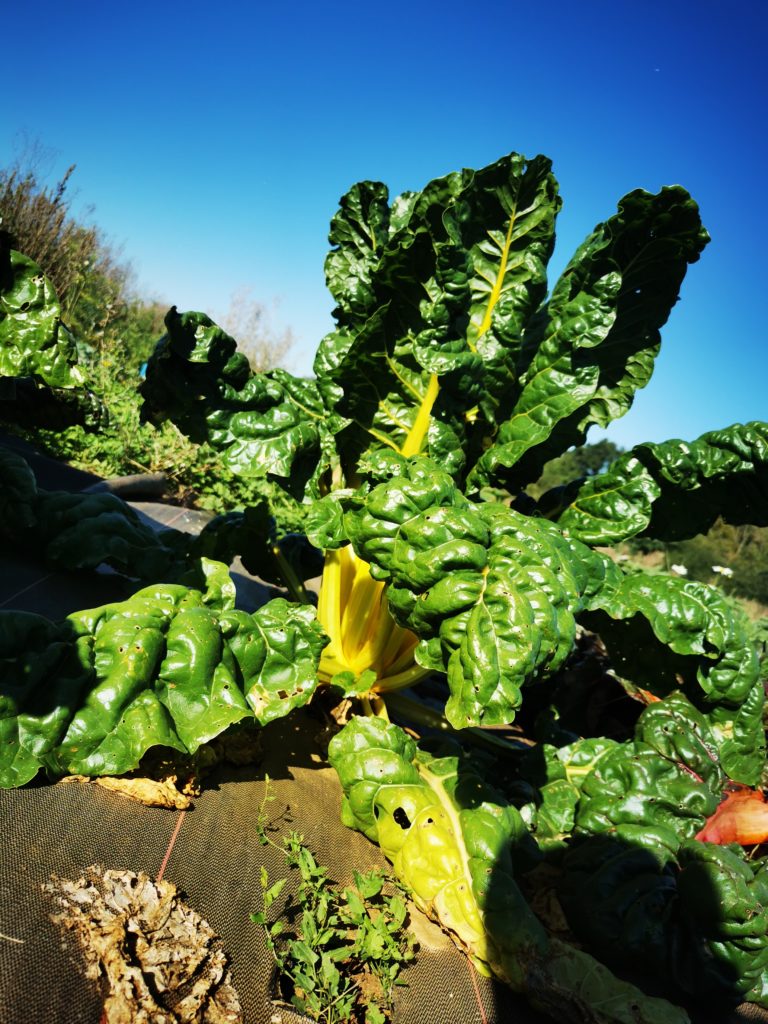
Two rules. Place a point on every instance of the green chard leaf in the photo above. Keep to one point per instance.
(593, 344)
(445, 832)
(260, 423)
(676, 489)
(662, 632)
(33, 340)
(669, 777)
(92, 694)
(557, 775)
(18, 493)
(635, 785)
(491, 594)
(287, 560)
(46, 671)
(277, 650)
(638, 888)
(691, 914)
(432, 294)
(82, 530)
(724, 908)
(444, 342)
(456, 845)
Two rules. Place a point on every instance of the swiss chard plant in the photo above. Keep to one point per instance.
(453, 375)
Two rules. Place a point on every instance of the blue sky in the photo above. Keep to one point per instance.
(215, 139)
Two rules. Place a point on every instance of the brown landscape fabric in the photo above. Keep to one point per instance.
(210, 853)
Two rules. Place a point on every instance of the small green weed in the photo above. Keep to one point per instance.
(344, 958)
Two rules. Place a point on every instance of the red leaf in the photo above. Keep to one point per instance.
(742, 817)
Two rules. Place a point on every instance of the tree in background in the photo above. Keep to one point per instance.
(585, 461)
(247, 320)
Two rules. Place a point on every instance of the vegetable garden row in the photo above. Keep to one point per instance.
(451, 378)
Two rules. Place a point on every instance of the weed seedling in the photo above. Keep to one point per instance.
(344, 958)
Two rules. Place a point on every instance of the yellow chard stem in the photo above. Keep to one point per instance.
(495, 295)
(401, 679)
(374, 706)
(361, 606)
(418, 432)
(414, 442)
(402, 657)
(379, 637)
(329, 610)
(354, 611)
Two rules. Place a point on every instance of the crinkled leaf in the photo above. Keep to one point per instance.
(580, 758)
(212, 579)
(455, 843)
(635, 785)
(33, 340)
(662, 631)
(679, 732)
(575, 986)
(82, 531)
(690, 915)
(277, 650)
(324, 523)
(18, 493)
(269, 423)
(450, 842)
(491, 594)
(555, 813)
(593, 344)
(252, 535)
(92, 694)
(617, 889)
(444, 343)
(359, 231)
(676, 489)
(668, 777)
(740, 733)
(726, 900)
(433, 294)
(46, 672)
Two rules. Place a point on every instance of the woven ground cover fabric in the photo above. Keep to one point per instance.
(212, 855)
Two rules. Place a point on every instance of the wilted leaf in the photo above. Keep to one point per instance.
(742, 817)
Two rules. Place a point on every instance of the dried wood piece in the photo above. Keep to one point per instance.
(158, 960)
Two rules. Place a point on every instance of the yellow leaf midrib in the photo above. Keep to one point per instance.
(417, 435)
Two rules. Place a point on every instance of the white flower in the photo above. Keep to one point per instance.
(723, 570)
(679, 570)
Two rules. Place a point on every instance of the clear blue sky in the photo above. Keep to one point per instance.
(215, 139)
